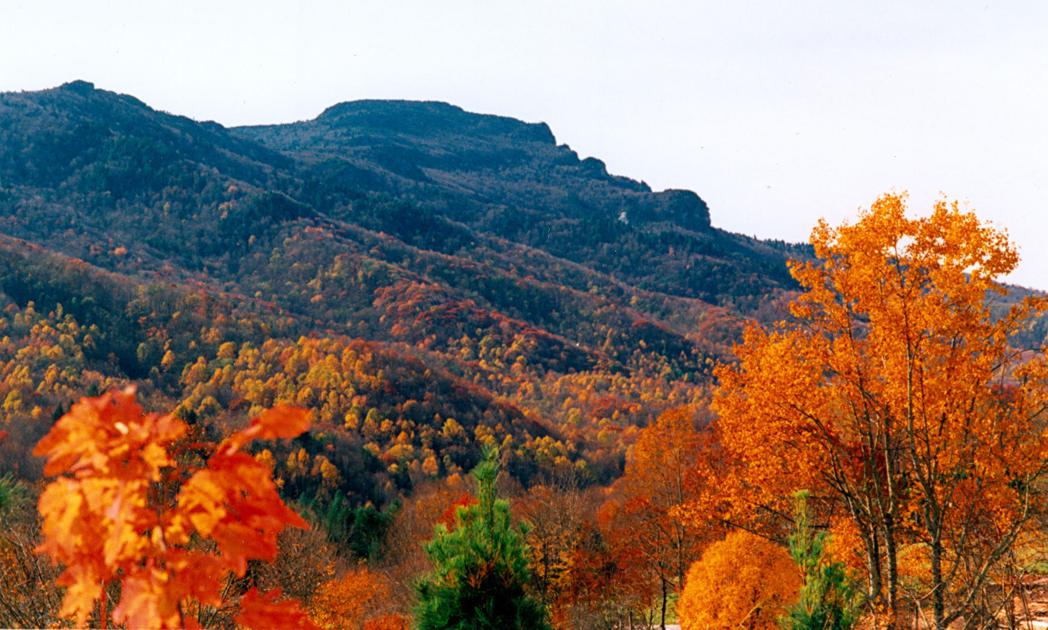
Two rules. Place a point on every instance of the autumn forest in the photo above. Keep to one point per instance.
(406, 366)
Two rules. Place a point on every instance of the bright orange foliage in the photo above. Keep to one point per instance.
(639, 520)
(352, 601)
(895, 395)
(113, 515)
(743, 581)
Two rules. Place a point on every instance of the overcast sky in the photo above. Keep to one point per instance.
(776, 113)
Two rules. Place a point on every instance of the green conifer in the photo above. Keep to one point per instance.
(829, 599)
(480, 567)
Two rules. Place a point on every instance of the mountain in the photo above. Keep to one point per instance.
(505, 178)
(425, 278)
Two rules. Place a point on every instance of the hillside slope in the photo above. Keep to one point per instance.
(426, 278)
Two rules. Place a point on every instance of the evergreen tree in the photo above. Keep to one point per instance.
(480, 567)
(12, 494)
(829, 599)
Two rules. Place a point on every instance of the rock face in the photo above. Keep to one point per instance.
(684, 208)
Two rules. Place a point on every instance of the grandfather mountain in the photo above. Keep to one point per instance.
(486, 272)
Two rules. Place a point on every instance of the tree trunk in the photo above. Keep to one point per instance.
(939, 594)
(873, 561)
(893, 569)
(662, 623)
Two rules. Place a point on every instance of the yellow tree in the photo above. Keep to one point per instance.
(743, 581)
(896, 396)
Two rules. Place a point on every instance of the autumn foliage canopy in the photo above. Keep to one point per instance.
(895, 394)
(122, 509)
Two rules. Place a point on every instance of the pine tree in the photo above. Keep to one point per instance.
(480, 567)
(12, 494)
(829, 599)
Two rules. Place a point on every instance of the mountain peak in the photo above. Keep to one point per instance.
(78, 86)
(371, 105)
(428, 117)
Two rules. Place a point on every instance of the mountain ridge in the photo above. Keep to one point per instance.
(211, 266)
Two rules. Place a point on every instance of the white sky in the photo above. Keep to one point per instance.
(776, 113)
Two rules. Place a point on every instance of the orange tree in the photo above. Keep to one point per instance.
(638, 519)
(743, 581)
(359, 599)
(122, 511)
(897, 397)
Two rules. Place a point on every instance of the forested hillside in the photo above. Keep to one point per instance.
(443, 291)
(552, 297)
